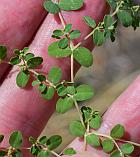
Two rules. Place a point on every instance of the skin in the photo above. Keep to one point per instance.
(24, 109)
(19, 23)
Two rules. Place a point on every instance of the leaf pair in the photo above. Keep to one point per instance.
(82, 55)
(81, 93)
(50, 143)
(108, 144)
(47, 85)
(54, 8)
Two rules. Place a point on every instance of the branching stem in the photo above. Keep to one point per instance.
(125, 141)
(54, 153)
(113, 140)
(47, 82)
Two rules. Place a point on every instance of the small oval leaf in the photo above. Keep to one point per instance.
(77, 129)
(22, 78)
(83, 56)
(15, 139)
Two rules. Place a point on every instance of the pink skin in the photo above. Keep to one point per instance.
(26, 111)
(19, 22)
(26, 105)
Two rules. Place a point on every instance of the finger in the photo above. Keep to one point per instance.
(19, 22)
(86, 154)
(25, 110)
(126, 111)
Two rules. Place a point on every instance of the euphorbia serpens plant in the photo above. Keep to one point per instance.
(63, 44)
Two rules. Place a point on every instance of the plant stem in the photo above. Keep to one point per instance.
(71, 46)
(124, 141)
(109, 137)
(89, 35)
(121, 153)
(51, 151)
(72, 63)
(92, 32)
(47, 82)
(79, 112)
(54, 153)
(72, 68)
(85, 141)
(62, 19)
(117, 9)
(72, 71)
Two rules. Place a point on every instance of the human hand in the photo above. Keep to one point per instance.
(25, 110)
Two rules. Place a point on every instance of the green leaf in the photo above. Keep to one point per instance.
(55, 75)
(36, 82)
(15, 60)
(98, 37)
(108, 145)
(58, 32)
(63, 43)
(71, 90)
(17, 52)
(17, 154)
(54, 141)
(84, 92)
(51, 7)
(68, 28)
(26, 49)
(69, 151)
(32, 140)
(77, 129)
(28, 56)
(41, 78)
(55, 51)
(34, 150)
(125, 18)
(42, 88)
(3, 153)
(95, 122)
(3, 52)
(127, 148)
(89, 21)
(34, 62)
(117, 131)
(43, 153)
(61, 90)
(75, 34)
(15, 139)
(93, 140)
(64, 104)
(22, 78)
(112, 3)
(49, 94)
(86, 113)
(1, 138)
(71, 4)
(115, 153)
(43, 140)
(83, 56)
(108, 21)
